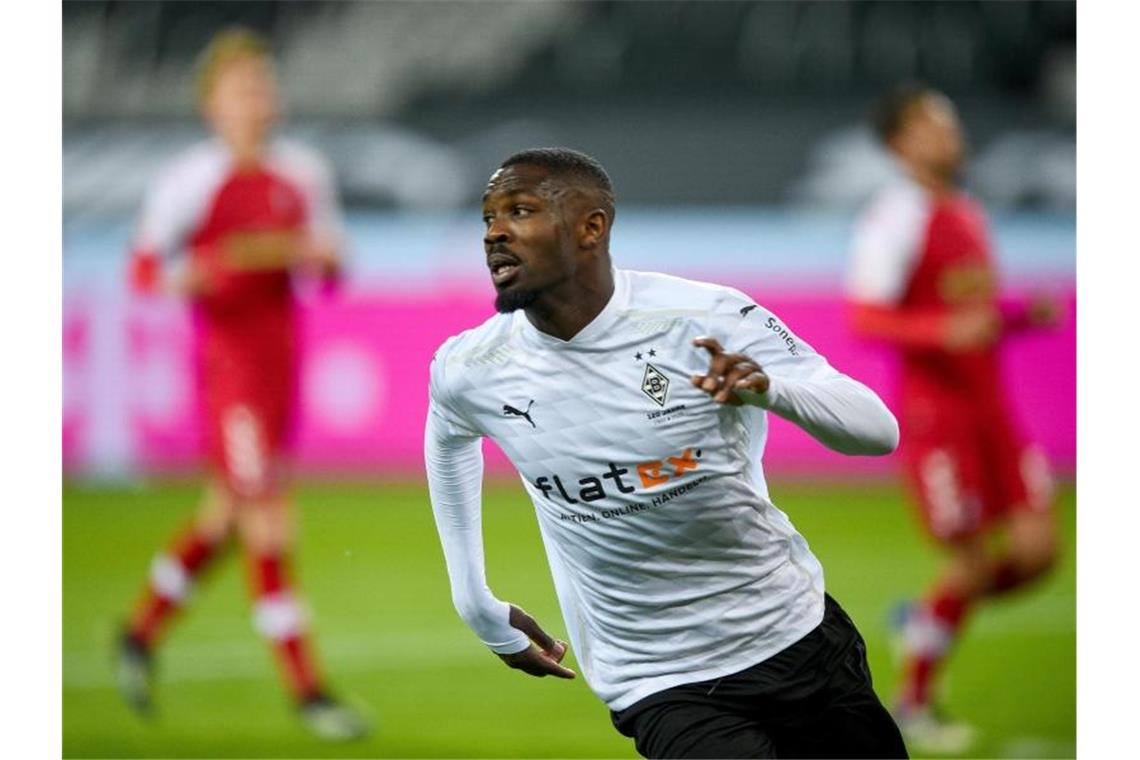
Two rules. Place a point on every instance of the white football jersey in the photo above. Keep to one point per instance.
(670, 562)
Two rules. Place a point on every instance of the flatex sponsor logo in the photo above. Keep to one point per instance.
(649, 474)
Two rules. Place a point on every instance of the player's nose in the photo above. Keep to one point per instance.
(496, 233)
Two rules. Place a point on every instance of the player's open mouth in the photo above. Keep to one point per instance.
(503, 268)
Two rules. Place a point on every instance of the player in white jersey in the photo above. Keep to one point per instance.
(634, 407)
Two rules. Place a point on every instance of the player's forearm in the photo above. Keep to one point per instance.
(912, 328)
(262, 251)
(841, 413)
(455, 473)
(150, 275)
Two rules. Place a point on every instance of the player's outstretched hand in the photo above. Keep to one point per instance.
(972, 328)
(319, 260)
(1045, 311)
(543, 657)
(729, 373)
(192, 280)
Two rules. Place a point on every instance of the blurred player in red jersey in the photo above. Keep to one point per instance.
(924, 278)
(228, 224)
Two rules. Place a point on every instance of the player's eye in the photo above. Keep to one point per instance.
(487, 219)
(521, 210)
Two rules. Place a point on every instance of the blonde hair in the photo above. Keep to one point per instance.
(227, 46)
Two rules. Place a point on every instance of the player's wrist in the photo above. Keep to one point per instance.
(756, 396)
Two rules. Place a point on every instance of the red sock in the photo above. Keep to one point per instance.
(929, 636)
(171, 576)
(279, 617)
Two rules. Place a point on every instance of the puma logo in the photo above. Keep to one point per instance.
(508, 409)
(746, 309)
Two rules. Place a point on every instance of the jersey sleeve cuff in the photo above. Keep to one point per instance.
(514, 646)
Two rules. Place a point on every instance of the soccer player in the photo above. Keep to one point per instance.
(227, 224)
(634, 406)
(923, 278)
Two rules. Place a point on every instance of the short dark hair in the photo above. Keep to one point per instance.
(888, 112)
(566, 163)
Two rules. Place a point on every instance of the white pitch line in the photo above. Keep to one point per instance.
(245, 660)
(1037, 746)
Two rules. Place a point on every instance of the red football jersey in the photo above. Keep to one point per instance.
(917, 259)
(204, 208)
(925, 257)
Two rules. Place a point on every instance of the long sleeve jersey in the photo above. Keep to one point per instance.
(670, 561)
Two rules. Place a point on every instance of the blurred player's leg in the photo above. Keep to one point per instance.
(928, 634)
(172, 576)
(1022, 481)
(931, 627)
(251, 440)
(948, 477)
(1030, 554)
(964, 488)
(278, 613)
(280, 617)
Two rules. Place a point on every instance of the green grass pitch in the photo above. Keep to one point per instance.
(373, 574)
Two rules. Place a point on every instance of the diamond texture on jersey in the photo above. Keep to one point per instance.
(676, 580)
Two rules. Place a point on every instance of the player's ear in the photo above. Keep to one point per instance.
(593, 228)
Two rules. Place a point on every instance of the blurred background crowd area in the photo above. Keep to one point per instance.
(686, 102)
(735, 132)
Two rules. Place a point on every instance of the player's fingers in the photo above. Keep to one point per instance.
(535, 662)
(528, 625)
(549, 666)
(720, 366)
(709, 382)
(559, 671)
(738, 372)
(718, 363)
(710, 344)
(756, 381)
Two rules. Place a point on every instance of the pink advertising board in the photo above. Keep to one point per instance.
(365, 381)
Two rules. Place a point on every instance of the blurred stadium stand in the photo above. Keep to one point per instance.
(734, 132)
(686, 103)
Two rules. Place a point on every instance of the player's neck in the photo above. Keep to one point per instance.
(247, 152)
(563, 312)
(934, 182)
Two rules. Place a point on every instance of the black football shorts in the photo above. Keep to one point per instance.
(814, 699)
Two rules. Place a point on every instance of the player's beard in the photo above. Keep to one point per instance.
(513, 300)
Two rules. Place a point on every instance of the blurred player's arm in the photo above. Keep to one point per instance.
(159, 262)
(885, 249)
(963, 329)
(776, 370)
(1036, 312)
(317, 249)
(454, 459)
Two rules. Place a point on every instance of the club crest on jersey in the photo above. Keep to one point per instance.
(655, 384)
